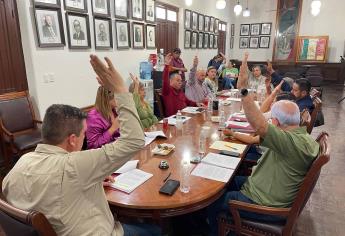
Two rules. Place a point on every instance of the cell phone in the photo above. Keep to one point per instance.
(169, 187)
(229, 153)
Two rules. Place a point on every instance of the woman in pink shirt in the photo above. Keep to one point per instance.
(102, 122)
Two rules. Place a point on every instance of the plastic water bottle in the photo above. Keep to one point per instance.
(184, 176)
(210, 107)
(160, 64)
(202, 143)
(261, 94)
(222, 120)
(179, 121)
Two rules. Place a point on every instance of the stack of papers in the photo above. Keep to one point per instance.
(216, 167)
(150, 136)
(228, 146)
(193, 110)
(238, 122)
(172, 119)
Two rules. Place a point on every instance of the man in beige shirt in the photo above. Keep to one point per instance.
(65, 183)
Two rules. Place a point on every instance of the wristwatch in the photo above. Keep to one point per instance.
(244, 92)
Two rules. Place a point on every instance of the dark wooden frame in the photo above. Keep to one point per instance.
(202, 41)
(110, 32)
(127, 11)
(100, 14)
(206, 35)
(268, 23)
(232, 30)
(245, 25)
(43, 4)
(143, 35)
(209, 41)
(269, 40)
(85, 10)
(241, 38)
(212, 19)
(190, 36)
(216, 25)
(128, 34)
(250, 42)
(251, 27)
(154, 12)
(207, 29)
(215, 41)
(190, 19)
(196, 39)
(71, 35)
(299, 47)
(62, 33)
(203, 24)
(142, 12)
(146, 35)
(231, 42)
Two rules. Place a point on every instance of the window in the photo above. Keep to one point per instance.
(161, 13)
(172, 15)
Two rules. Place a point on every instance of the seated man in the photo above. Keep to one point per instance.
(64, 183)
(277, 177)
(173, 97)
(196, 91)
(276, 78)
(256, 79)
(301, 90)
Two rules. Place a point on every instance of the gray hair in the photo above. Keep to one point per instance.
(289, 80)
(286, 112)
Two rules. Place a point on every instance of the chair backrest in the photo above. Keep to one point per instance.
(315, 80)
(313, 115)
(305, 118)
(14, 221)
(293, 75)
(160, 103)
(309, 181)
(16, 111)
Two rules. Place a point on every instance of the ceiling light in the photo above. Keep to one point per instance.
(220, 4)
(315, 11)
(246, 13)
(189, 2)
(316, 4)
(238, 8)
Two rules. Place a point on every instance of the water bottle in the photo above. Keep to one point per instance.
(261, 94)
(160, 64)
(184, 176)
(179, 121)
(202, 143)
(222, 120)
(210, 107)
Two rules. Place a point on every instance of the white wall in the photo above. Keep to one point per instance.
(74, 79)
(329, 22)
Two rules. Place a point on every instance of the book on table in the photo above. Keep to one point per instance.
(239, 122)
(150, 136)
(228, 146)
(216, 167)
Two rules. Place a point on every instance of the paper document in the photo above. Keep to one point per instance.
(129, 165)
(221, 160)
(155, 134)
(212, 172)
(192, 110)
(172, 119)
(130, 180)
(148, 140)
(228, 146)
(238, 123)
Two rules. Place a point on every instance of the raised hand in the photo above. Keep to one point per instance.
(134, 78)
(168, 58)
(195, 61)
(277, 89)
(269, 67)
(107, 75)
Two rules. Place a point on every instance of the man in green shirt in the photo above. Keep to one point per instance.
(280, 171)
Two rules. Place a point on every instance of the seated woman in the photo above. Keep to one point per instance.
(211, 81)
(229, 74)
(145, 112)
(102, 123)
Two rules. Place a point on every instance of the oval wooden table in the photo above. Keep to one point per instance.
(146, 201)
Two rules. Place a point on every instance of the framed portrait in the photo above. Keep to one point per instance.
(207, 23)
(264, 42)
(211, 24)
(122, 34)
(216, 26)
(193, 41)
(201, 40)
(103, 33)
(78, 29)
(121, 9)
(215, 42)
(47, 3)
(244, 41)
(187, 35)
(150, 36)
(76, 5)
(187, 19)
(194, 20)
(206, 40)
(49, 27)
(244, 30)
(266, 28)
(232, 30)
(150, 11)
(101, 7)
(232, 42)
(254, 29)
(201, 22)
(254, 42)
(137, 9)
(312, 49)
(138, 35)
(211, 41)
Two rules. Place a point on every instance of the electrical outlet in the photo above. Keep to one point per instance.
(51, 77)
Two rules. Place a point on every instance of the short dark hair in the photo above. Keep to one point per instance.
(304, 85)
(60, 121)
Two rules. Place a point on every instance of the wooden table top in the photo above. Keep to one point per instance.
(147, 197)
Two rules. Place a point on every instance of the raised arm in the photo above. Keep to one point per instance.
(166, 82)
(135, 82)
(193, 70)
(266, 104)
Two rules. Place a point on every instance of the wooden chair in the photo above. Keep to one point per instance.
(305, 118)
(313, 116)
(18, 125)
(255, 227)
(14, 221)
(160, 103)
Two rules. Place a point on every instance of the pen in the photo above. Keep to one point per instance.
(227, 145)
(167, 178)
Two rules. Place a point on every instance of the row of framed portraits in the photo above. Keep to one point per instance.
(200, 40)
(124, 9)
(50, 31)
(254, 42)
(200, 22)
(255, 29)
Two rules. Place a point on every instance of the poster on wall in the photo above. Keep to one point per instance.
(288, 18)
(103, 33)
(312, 49)
(101, 7)
(150, 14)
(150, 36)
(78, 30)
(122, 34)
(121, 9)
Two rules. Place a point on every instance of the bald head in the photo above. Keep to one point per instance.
(200, 75)
(176, 81)
(286, 113)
